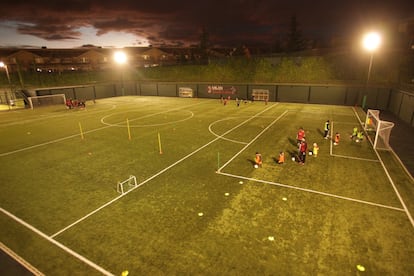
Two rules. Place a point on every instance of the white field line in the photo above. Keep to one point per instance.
(356, 158)
(390, 179)
(85, 132)
(254, 139)
(45, 116)
(20, 260)
(346, 156)
(155, 175)
(313, 191)
(393, 152)
(58, 244)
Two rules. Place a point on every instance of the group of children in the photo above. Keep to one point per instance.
(357, 135)
(75, 103)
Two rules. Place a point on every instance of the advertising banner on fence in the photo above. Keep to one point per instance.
(222, 90)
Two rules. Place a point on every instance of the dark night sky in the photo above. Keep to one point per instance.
(73, 23)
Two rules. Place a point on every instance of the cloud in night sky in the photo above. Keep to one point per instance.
(119, 23)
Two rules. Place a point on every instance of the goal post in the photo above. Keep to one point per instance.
(372, 120)
(127, 184)
(47, 100)
(382, 135)
(381, 129)
(260, 94)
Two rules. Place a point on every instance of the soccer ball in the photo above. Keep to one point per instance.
(256, 166)
(310, 153)
(293, 158)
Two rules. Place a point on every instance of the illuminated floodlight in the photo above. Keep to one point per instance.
(120, 57)
(3, 65)
(371, 41)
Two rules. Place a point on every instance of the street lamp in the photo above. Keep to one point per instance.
(3, 65)
(7, 71)
(371, 42)
(121, 58)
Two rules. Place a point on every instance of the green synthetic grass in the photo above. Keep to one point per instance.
(339, 210)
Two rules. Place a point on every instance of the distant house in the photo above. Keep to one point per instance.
(21, 59)
(155, 57)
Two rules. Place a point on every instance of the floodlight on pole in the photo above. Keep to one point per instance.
(3, 65)
(121, 58)
(371, 42)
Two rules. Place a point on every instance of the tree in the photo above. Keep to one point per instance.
(204, 43)
(295, 38)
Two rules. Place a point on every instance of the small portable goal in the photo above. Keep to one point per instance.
(127, 185)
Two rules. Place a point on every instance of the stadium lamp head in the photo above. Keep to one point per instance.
(120, 57)
(371, 41)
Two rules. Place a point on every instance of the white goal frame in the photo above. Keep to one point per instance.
(382, 129)
(185, 92)
(131, 182)
(260, 94)
(52, 98)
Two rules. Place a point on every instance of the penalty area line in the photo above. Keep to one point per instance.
(312, 191)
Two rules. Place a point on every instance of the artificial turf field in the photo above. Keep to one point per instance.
(200, 207)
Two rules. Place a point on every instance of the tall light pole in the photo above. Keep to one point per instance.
(3, 65)
(121, 58)
(371, 42)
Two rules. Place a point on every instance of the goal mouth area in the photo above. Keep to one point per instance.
(381, 129)
(47, 100)
(126, 185)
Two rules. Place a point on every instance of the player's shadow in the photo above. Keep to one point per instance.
(253, 162)
(293, 142)
(293, 154)
(321, 132)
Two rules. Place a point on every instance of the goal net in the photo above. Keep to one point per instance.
(47, 100)
(185, 92)
(381, 130)
(260, 94)
(127, 185)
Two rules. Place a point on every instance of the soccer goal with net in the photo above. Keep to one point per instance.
(260, 94)
(127, 185)
(47, 100)
(381, 129)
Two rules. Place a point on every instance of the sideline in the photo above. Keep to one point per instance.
(389, 176)
(20, 260)
(58, 244)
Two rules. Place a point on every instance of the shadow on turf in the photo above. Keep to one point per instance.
(321, 132)
(293, 142)
(293, 154)
(252, 161)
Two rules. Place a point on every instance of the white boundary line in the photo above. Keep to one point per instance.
(312, 191)
(77, 135)
(254, 139)
(289, 186)
(346, 156)
(58, 244)
(155, 175)
(20, 260)
(390, 179)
